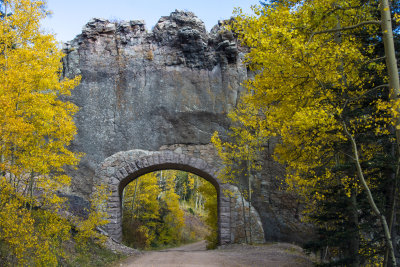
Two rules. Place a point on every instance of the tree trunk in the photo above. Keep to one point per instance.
(244, 219)
(354, 245)
(249, 187)
(133, 199)
(394, 86)
(371, 201)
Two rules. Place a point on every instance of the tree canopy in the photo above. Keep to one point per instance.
(322, 89)
(36, 128)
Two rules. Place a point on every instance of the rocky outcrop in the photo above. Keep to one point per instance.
(143, 90)
(165, 89)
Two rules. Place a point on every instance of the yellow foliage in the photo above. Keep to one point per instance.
(309, 95)
(210, 205)
(171, 231)
(36, 128)
(297, 65)
(152, 209)
(35, 125)
(141, 205)
(32, 237)
(98, 216)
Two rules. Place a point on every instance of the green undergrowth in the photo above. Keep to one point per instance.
(92, 255)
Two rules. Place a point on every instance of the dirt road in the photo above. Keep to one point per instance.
(279, 255)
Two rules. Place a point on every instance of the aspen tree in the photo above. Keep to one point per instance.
(36, 128)
(308, 89)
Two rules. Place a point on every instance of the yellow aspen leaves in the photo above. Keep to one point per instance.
(36, 128)
(314, 93)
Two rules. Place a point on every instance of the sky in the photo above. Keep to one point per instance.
(69, 16)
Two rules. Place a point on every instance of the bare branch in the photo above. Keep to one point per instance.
(375, 59)
(376, 22)
(369, 91)
(371, 201)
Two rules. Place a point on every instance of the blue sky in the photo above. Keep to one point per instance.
(69, 16)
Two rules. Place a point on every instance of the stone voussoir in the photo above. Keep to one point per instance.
(145, 163)
(156, 159)
(182, 158)
(200, 164)
(150, 160)
(168, 156)
(132, 167)
(139, 164)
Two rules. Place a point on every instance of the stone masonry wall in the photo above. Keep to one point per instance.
(123, 167)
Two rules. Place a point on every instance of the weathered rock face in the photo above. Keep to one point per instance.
(143, 90)
(168, 89)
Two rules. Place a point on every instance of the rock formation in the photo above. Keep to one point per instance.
(165, 89)
(142, 90)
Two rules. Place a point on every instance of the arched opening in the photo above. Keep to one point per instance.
(169, 208)
(122, 168)
(168, 166)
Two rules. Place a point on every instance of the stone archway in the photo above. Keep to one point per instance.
(120, 169)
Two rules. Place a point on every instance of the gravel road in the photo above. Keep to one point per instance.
(276, 254)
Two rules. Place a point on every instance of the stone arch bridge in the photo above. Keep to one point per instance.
(122, 168)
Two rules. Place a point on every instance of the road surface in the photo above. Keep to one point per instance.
(274, 255)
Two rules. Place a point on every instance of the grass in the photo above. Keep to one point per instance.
(92, 255)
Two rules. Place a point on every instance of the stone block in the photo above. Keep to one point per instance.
(187, 160)
(225, 209)
(114, 221)
(129, 168)
(182, 159)
(156, 159)
(145, 163)
(176, 157)
(114, 198)
(114, 192)
(224, 200)
(110, 171)
(198, 164)
(209, 170)
(113, 205)
(119, 175)
(132, 166)
(112, 227)
(224, 217)
(150, 160)
(162, 158)
(225, 241)
(113, 180)
(192, 162)
(123, 171)
(168, 155)
(178, 150)
(225, 232)
(225, 225)
(201, 164)
(139, 164)
(115, 216)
